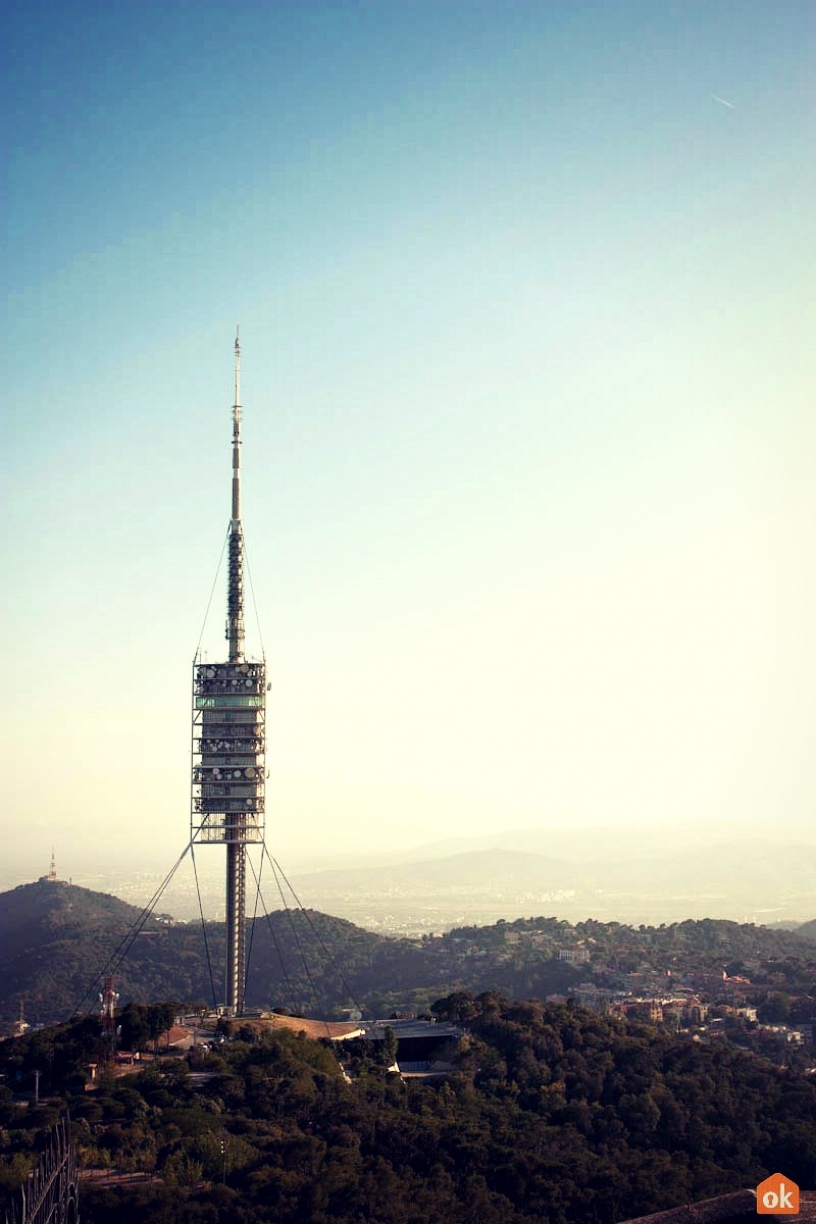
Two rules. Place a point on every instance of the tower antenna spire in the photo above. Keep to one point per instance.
(235, 591)
(238, 365)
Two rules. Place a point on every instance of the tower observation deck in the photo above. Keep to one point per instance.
(229, 741)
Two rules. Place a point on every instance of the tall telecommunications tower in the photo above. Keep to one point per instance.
(229, 741)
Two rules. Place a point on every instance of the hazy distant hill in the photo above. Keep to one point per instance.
(628, 879)
(807, 930)
(625, 873)
(481, 869)
(619, 842)
(733, 866)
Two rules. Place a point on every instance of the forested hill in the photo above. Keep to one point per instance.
(54, 936)
(549, 1113)
(50, 907)
(807, 930)
(56, 940)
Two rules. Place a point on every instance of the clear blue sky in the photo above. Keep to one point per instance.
(526, 303)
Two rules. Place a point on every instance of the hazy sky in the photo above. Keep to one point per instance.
(526, 305)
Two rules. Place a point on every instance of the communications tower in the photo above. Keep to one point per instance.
(229, 741)
(109, 998)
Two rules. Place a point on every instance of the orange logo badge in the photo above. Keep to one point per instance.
(777, 1195)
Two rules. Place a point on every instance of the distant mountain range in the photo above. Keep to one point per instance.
(483, 869)
(609, 878)
(626, 873)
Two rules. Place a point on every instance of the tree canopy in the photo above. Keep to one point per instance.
(550, 1113)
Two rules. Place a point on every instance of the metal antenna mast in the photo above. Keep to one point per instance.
(235, 592)
(236, 846)
(229, 740)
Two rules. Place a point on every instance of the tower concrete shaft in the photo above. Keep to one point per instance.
(236, 925)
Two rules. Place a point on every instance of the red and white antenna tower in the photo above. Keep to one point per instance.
(109, 998)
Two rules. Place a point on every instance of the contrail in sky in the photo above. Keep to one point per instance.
(723, 102)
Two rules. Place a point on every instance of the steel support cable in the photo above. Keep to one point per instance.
(248, 569)
(126, 942)
(315, 932)
(257, 879)
(212, 592)
(125, 946)
(278, 949)
(203, 927)
(289, 913)
(254, 604)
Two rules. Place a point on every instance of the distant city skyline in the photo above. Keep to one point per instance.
(525, 295)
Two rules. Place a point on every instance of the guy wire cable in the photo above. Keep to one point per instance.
(204, 928)
(315, 931)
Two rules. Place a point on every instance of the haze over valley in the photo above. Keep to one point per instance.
(629, 874)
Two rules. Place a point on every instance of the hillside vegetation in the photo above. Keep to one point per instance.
(56, 940)
(551, 1113)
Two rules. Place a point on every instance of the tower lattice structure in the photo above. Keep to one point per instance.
(229, 741)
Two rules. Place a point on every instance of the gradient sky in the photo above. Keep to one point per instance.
(526, 306)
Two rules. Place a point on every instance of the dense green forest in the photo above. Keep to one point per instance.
(551, 1114)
